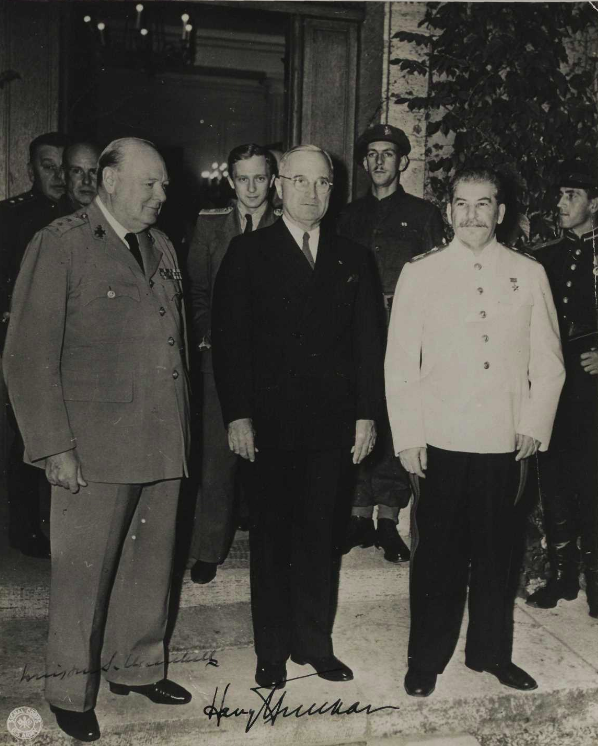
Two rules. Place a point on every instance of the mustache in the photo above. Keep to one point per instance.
(472, 224)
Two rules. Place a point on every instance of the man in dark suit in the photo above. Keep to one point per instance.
(297, 351)
(251, 171)
(94, 363)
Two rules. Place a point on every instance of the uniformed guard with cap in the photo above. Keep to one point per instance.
(251, 170)
(568, 472)
(21, 217)
(473, 375)
(95, 368)
(396, 226)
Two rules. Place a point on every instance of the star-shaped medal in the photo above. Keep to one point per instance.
(99, 232)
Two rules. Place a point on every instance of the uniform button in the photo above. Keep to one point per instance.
(171, 341)
(483, 314)
(574, 266)
(377, 248)
(577, 252)
(565, 300)
(477, 265)
(568, 283)
(143, 520)
(151, 283)
(133, 537)
(111, 294)
(175, 374)
(480, 290)
(162, 311)
(485, 337)
(486, 365)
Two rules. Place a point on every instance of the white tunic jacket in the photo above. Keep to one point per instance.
(473, 354)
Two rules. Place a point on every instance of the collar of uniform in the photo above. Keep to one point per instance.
(297, 233)
(397, 195)
(119, 229)
(255, 216)
(486, 258)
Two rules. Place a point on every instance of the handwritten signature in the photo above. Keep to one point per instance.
(270, 710)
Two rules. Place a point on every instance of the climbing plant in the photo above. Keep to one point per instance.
(507, 89)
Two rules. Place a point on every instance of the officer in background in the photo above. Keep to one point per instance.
(396, 226)
(569, 470)
(20, 218)
(251, 171)
(80, 163)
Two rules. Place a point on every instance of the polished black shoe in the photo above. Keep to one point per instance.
(360, 533)
(420, 683)
(550, 594)
(387, 538)
(164, 692)
(203, 572)
(329, 668)
(509, 675)
(83, 726)
(33, 545)
(271, 675)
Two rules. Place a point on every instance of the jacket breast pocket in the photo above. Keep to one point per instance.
(109, 292)
(96, 387)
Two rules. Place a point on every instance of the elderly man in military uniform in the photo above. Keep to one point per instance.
(251, 171)
(80, 162)
(568, 473)
(20, 218)
(94, 363)
(474, 370)
(396, 226)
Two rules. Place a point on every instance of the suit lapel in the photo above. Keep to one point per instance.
(288, 258)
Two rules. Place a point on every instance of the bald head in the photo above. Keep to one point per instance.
(133, 180)
(80, 163)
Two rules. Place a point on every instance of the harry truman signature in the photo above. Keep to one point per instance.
(270, 710)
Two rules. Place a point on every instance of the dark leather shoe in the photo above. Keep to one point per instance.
(550, 594)
(80, 725)
(387, 538)
(271, 675)
(420, 683)
(329, 668)
(203, 572)
(360, 533)
(164, 692)
(34, 545)
(509, 675)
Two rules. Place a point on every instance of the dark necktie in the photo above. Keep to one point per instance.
(307, 251)
(248, 223)
(133, 242)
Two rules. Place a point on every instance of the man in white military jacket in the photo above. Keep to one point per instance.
(474, 370)
(95, 367)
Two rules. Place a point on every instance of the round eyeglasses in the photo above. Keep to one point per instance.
(323, 186)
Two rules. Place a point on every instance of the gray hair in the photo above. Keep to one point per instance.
(304, 149)
(114, 153)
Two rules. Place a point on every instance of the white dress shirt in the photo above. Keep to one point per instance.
(297, 233)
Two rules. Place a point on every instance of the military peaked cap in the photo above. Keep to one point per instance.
(383, 132)
(578, 174)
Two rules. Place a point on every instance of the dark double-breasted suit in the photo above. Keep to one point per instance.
(299, 351)
(94, 361)
(213, 527)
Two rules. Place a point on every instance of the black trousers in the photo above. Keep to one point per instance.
(293, 504)
(463, 527)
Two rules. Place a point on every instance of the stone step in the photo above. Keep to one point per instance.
(557, 647)
(25, 582)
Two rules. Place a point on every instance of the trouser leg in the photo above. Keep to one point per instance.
(312, 565)
(138, 608)
(492, 487)
(439, 562)
(213, 527)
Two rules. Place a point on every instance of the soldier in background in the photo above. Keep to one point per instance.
(251, 171)
(20, 219)
(396, 226)
(569, 470)
(80, 163)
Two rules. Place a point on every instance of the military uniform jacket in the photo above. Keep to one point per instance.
(395, 228)
(485, 330)
(297, 350)
(214, 231)
(94, 357)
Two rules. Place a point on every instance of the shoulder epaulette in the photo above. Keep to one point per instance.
(521, 253)
(19, 199)
(427, 253)
(278, 211)
(544, 244)
(217, 211)
(63, 225)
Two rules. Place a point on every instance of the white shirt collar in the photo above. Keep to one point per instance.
(297, 233)
(120, 230)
